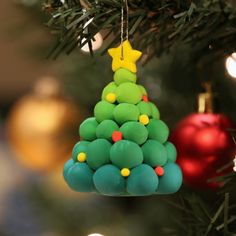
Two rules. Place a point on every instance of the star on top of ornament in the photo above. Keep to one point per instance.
(130, 56)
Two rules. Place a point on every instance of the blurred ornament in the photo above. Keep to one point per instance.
(204, 144)
(231, 64)
(41, 127)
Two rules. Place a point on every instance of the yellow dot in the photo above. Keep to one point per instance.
(144, 119)
(111, 97)
(125, 172)
(81, 157)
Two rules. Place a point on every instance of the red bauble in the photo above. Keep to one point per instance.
(204, 145)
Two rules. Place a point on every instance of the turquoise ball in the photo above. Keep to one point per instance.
(123, 75)
(98, 153)
(87, 129)
(145, 108)
(80, 178)
(108, 180)
(171, 181)
(134, 131)
(67, 166)
(106, 128)
(126, 154)
(154, 153)
(158, 130)
(155, 111)
(126, 112)
(81, 146)
(103, 111)
(142, 181)
(128, 93)
(171, 151)
(110, 88)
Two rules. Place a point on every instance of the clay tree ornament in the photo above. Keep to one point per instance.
(124, 149)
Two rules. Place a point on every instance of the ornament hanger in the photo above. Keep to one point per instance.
(124, 26)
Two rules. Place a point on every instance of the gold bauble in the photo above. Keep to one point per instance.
(42, 127)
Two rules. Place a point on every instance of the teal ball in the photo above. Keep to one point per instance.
(128, 93)
(103, 111)
(142, 181)
(155, 111)
(171, 151)
(134, 131)
(154, 153)
(158, 130)
(98, 153)
(108, 181)
(79, 147)
(145, 108)
(106, 128)
(80, 178)
(126, 112)
(67, 166)
(123, 75)
(126, 154)
(171, 181)
(87, 129)
(110, 88)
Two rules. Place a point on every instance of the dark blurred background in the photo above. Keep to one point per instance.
(43, 99)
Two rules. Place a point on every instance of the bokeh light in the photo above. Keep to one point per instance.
(96, 43)
(95, 234)
(231, 64)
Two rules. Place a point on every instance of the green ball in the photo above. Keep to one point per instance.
(80, 178)
(155, 111)
(171, 181)
(98, 153)
(126, 154)
(134, 131)
(171, 151)
(123, 75)
(142, 181)
(66, 168)
(145, 108)
(108, 180)
(87, 129)
(157, 130)
(106, 128)
(103, 111)
(142, 89)
(154, 153)
(126, 112)
(110, 88)
(129, 93)
(81, 146)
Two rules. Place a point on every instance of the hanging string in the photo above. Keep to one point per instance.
(123, 25)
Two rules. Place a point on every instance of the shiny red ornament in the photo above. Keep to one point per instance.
(204, 145)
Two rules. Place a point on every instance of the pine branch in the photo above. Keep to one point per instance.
(209, 26)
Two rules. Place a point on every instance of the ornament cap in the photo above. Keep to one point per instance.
(205, 100)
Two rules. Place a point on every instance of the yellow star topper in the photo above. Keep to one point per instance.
(130, 56)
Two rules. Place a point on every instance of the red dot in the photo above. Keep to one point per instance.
(116, 136)
(145, 98)
(159, 171)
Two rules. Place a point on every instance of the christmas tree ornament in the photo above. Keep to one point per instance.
(204, 144)
(123, 149)
(41, 127)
